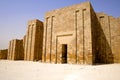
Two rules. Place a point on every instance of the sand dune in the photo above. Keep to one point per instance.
(28, 70)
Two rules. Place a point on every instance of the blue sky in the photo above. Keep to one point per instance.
(14, 14)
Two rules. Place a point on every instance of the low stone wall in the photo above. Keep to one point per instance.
(3, 54)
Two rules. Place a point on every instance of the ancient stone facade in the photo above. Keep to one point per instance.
(33, 41)
(111, 29)
(74, 35)
(15, 51)
(78, 35)
(67, 35)
(3, 54)
(102, 53)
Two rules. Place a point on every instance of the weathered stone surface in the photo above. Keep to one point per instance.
(15, 51)
(70, 26)
(3, 54)
(74, 35)
(111, 29)
(90, 38)
(33, 41)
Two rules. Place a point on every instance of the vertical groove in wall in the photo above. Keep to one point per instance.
(34, 50)
(28, 43)
(38, 28)
(102, 23)
(30, 37)
(31, 42)
(109, 29)
(13, 55)
(83, 36)
(40, 43)
(24, 47)
(9, 50)
(35, 40)
(25, 51)
(18, 50)
(76, 22)
(40, 37)
(51, 37)
(45, 39)
(56, 50)
(9, 53)
(27, 39)
(15, 49)
(12, 49)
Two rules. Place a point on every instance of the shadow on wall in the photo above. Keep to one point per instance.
(102, 53)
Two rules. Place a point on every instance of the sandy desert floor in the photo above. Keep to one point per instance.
(28, 70)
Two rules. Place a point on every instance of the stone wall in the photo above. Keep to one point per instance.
(102, 53)
(34, 41)
(89, 37)
(15, 51)
(74, 35)
(24, 38)
(70, 26)
(3, 54)
(111, 28)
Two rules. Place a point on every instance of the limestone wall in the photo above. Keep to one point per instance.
(70, 26)
(34, 40)
(111, 28)
(102, 53)
(115, 38)
(74, 35)
(15, 51)
(3, 54)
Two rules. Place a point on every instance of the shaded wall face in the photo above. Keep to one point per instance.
(38, 41)
(34, 41)
(3, 54)
(16, 51)
(10, 50)
(111, 29)
(19, 50)
(104, 42)
(68, 26)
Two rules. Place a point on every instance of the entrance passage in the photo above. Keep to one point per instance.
(64, 53)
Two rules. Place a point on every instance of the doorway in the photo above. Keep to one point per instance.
(64, 53)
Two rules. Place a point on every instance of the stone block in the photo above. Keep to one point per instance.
(3, 54)
(34, 41)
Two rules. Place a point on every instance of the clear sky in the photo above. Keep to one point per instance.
(14, 14)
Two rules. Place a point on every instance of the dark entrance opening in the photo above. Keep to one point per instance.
(64, 53)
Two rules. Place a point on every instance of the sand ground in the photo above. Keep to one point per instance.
(28, 70)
